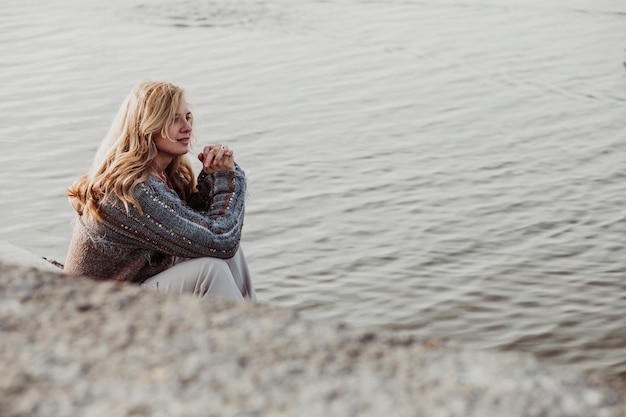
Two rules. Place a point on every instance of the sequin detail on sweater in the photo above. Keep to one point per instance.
(133, 246)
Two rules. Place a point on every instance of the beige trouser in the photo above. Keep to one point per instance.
(207, 278)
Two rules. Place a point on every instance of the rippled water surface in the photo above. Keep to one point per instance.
(452, 169)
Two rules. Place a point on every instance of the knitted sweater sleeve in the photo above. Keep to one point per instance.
(167, 225)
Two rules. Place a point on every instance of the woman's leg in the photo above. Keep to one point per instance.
(207, 278)
(239, 268)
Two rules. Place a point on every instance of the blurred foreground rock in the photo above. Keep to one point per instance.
(74, 347)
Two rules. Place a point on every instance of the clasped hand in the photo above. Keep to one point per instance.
(216, 158)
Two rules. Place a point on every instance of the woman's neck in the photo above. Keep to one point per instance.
(159, 165)
(157, 168)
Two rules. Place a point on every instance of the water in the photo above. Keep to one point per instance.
(450, 169)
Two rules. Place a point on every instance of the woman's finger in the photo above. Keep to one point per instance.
(220, 152)
(209, 158)
(215, 157)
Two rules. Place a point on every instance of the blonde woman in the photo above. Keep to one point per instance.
(144, 218)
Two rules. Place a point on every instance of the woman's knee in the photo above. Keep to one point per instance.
(217, 280)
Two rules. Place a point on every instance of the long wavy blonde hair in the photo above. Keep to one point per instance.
(127, 151)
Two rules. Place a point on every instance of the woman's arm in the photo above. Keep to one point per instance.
(168, 225)
(214, 158)
(202, 199)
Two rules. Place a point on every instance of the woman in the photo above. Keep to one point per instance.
(143, 217)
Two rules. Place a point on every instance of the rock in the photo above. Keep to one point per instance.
(18, 256)
(75, 347)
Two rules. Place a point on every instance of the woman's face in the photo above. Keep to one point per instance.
(179, 134)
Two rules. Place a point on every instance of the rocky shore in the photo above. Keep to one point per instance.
(74, 347)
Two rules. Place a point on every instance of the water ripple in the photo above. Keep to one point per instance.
(443, 168)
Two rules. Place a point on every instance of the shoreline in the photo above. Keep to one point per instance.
(77, 347)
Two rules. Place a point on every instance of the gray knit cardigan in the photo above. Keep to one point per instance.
(133, 246)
